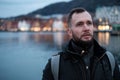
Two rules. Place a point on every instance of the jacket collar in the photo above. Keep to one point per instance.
(97, 49)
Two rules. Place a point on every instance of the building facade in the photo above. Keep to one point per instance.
(112, 14)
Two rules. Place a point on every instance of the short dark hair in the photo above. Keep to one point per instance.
(75, 10)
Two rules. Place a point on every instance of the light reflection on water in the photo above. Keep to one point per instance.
(23, 55)
(104, 38)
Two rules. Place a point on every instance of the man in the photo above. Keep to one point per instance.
(83, 58)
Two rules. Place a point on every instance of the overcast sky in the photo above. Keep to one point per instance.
(9, 8)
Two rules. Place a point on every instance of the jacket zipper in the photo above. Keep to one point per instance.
(83, 70)
(93, 70)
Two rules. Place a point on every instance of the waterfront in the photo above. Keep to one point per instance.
(23, 55)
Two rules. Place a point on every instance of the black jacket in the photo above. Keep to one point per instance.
(73, 67)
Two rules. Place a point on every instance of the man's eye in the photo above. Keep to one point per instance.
(79, 24)
(89, 23)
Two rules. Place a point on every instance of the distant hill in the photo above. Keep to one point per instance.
(65, 7)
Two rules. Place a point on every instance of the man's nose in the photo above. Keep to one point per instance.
(86, 27)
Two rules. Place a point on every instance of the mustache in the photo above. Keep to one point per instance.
(87, 34)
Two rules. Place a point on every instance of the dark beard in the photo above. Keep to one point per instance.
(84, 44)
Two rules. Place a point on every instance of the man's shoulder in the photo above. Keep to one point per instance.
(111, 60)
(58, 53)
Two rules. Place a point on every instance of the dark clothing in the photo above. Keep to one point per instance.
(78, 63)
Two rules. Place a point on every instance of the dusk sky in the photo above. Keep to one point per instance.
(9, 8)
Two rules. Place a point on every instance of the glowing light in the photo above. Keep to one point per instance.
(107, 27)
(103, 27)
(47, 29)
(36, 29)
(23, 29)
(100, 19)
(36, 26)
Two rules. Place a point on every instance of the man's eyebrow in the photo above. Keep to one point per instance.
(80, 21)
(89, 21)
(84, 21)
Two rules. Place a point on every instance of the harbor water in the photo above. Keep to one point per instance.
(23, 55)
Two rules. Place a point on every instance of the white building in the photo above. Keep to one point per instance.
(58, 25)
(23, 25)
(110, 13)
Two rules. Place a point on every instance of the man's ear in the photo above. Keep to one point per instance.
(69, 31)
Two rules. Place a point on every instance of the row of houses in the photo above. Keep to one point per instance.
(107, 17)
(33, 24)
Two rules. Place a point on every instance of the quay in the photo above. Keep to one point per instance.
(115, 33)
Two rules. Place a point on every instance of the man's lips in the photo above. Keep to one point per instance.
(86, 35)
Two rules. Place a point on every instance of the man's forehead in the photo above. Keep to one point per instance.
(83, 15)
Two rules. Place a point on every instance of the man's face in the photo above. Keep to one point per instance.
(81, 27)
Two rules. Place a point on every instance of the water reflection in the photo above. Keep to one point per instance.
(104, 38)
(23, 55)
(23, 37)
(58, 39)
